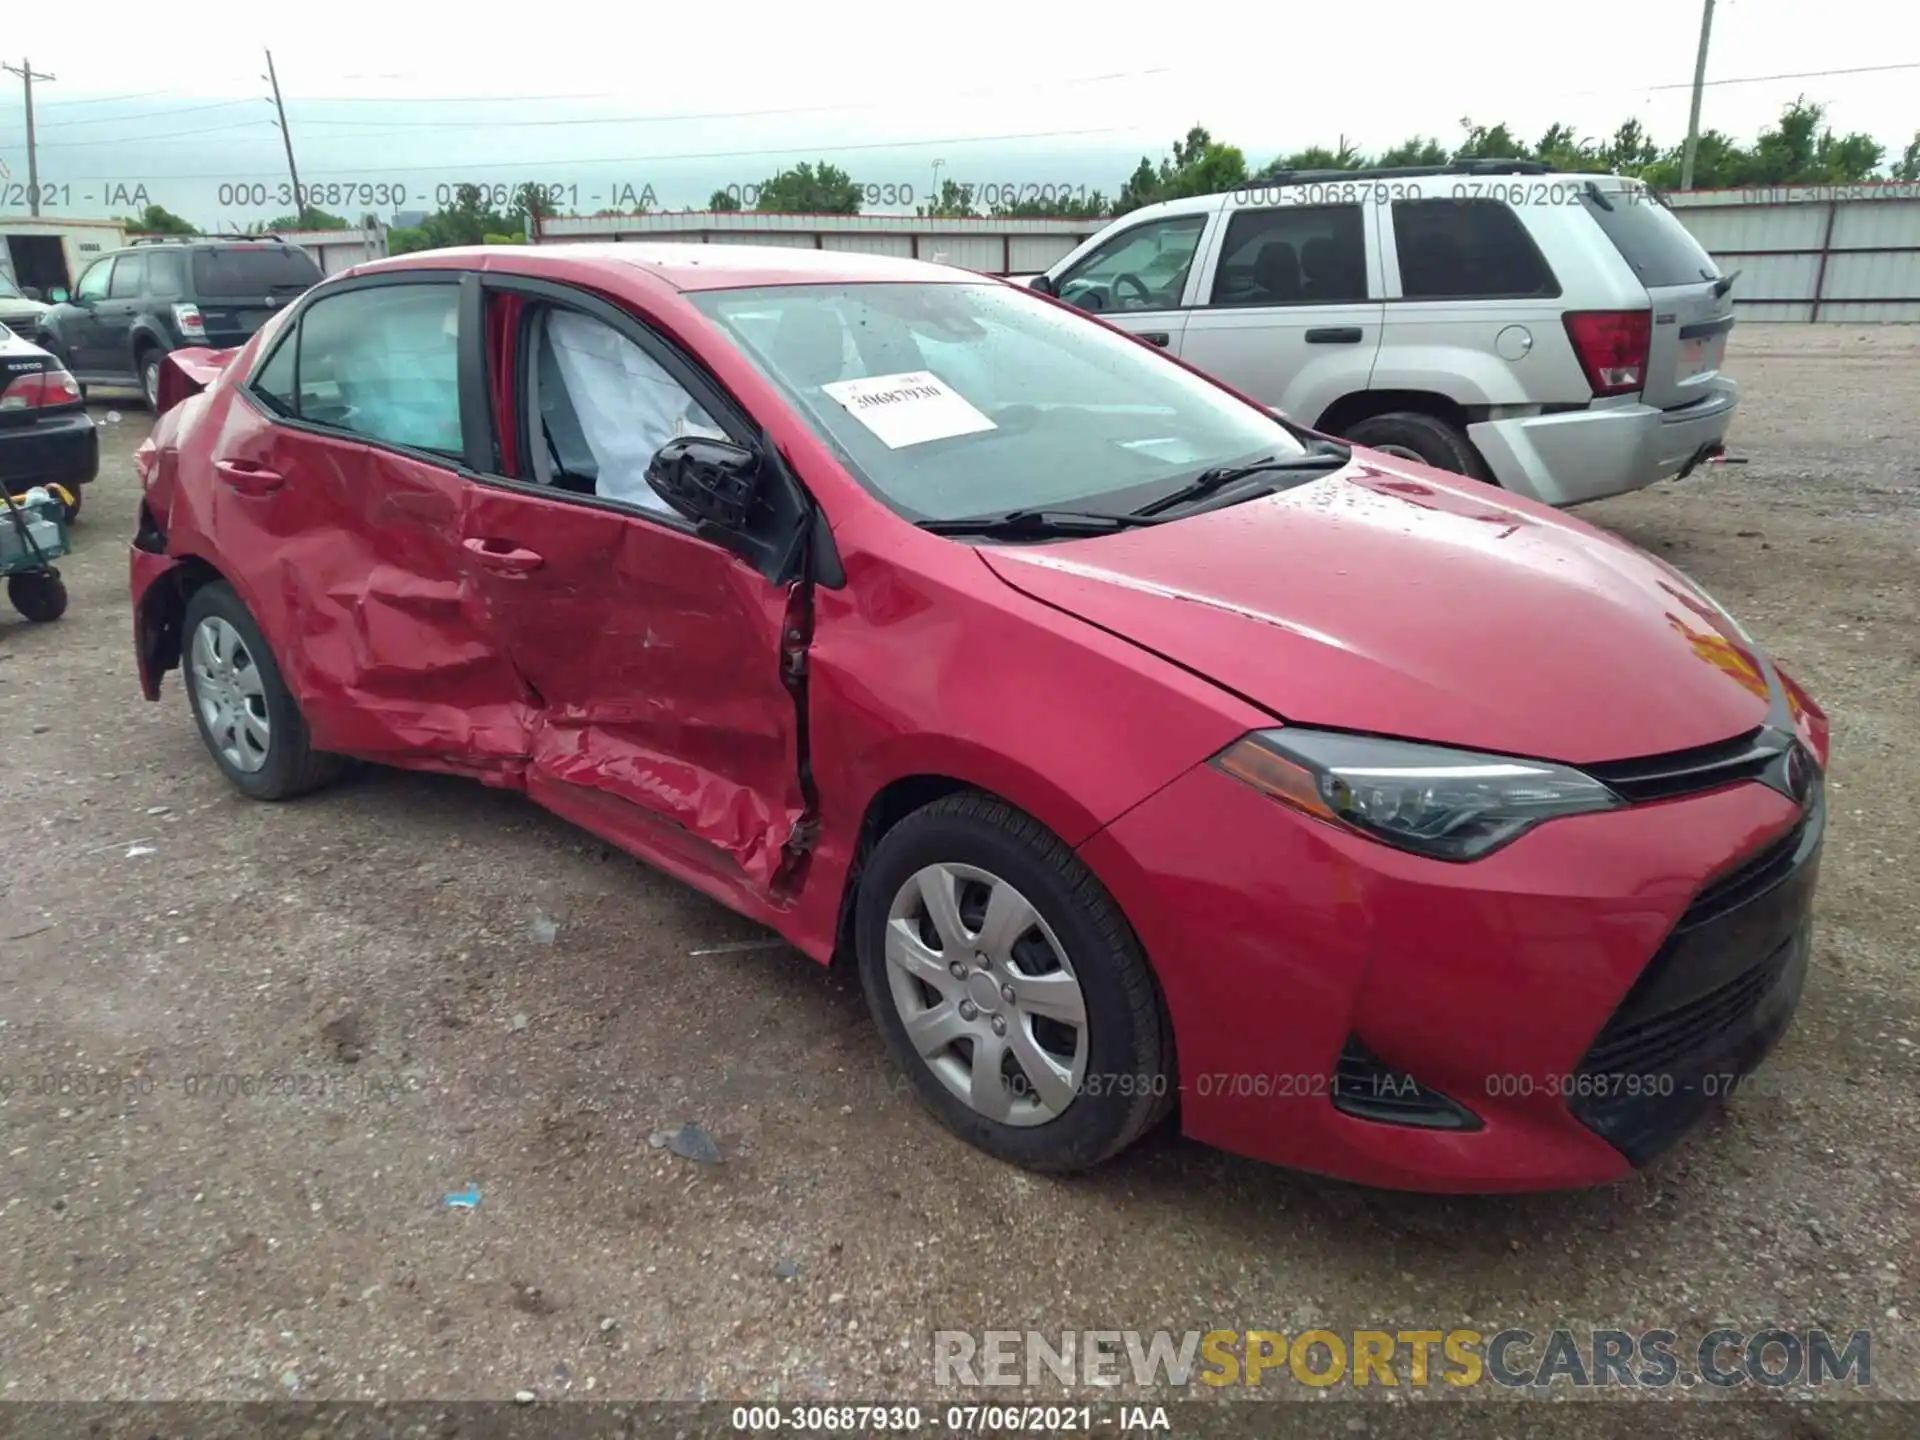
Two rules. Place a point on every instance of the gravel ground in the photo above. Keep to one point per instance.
(459, 989)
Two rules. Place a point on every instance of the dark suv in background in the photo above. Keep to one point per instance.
(131, 306)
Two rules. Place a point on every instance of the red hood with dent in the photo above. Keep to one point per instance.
(1402, 603)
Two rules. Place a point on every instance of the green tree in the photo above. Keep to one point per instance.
(723, 202)
(1315, 157)
(1417, 151)
(1482, 142)
(1092, 206)
(157, 220)
(531, 199)
(810, 190)
(954, 202)
(311, 217)
(1908, 167)
(1199, 165)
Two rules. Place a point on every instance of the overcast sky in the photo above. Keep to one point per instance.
(609, 99)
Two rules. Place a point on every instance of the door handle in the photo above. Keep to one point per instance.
(1156, 337)
(246, 477)
(1335, 335)
(500, 555)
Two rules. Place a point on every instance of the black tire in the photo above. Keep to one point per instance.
(291, 767)
(39, 595)
(147, 365)
(1130, 1078)
(1434, 442)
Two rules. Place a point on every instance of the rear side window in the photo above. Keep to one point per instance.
(1293, 255)
(1651, 240)
(240, 272)
(1466, 249)
(383, 362)
(166, 274)
(129, 274)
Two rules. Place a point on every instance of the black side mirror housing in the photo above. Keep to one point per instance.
(32, 293)
(708, 481)
(1044, 284)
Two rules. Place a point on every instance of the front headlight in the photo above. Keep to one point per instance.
(1435, 801)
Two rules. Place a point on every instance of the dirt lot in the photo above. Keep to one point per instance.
(464, 990)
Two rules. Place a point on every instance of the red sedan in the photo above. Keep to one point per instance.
(1145, 751)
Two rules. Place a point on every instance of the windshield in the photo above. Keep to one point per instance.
(239, 272)
(953, 400)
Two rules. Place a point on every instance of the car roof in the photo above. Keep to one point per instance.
(690, 267)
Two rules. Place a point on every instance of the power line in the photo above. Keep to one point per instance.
(1796, 75)
(669, 119)
(165, 135)
(820, 150)
(158, 114)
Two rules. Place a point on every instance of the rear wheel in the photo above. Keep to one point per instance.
(1010, 988)
(1409, 435)
(39, 595)
(149, 364)
(247, 717)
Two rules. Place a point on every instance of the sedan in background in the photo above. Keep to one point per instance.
(1146, 753)
(46, 435)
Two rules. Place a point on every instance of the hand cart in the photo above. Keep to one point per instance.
(33, 534)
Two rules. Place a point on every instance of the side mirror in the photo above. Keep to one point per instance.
(58, 295)
(707, 480)
(1044, 284)
(32, 293)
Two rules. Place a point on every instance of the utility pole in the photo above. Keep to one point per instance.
(1699, 83)
(27, 76)
(299, 201)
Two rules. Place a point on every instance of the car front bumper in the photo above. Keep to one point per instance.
(53, 449)
(1581, 455)
(1511, 986)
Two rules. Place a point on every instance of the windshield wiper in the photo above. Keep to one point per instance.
(1324, 456)
(1024, 523)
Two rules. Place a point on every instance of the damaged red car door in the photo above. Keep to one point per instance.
(663, 720)
(337, 500)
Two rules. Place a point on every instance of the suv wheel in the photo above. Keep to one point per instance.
(1410, 435)
(1010, 988)
(150, 377)
(247, 717)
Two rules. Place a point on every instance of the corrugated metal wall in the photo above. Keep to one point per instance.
(1841, 253)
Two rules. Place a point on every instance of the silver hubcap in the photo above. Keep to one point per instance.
(231, 694)
(987, 994)
(150, 382)
(1401, 452)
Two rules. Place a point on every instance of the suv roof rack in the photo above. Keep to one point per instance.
(1408, 172)
(205, 239)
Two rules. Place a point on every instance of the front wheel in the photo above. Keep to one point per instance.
(246, 715)
(1010, 988)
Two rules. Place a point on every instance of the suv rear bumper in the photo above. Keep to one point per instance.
(1582, 455)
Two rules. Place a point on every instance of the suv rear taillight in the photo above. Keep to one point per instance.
(187, 317)
(41, 391)
(1611, 346)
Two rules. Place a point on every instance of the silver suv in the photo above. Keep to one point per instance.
(1560, 335)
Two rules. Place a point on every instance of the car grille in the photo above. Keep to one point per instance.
(1689, 772)
(1710, 1004)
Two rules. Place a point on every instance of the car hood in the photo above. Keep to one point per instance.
(23, 313)
(1402, 602)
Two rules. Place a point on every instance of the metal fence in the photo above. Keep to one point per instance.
(1837, 253)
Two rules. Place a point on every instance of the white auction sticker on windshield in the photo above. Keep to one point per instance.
(908, 409)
